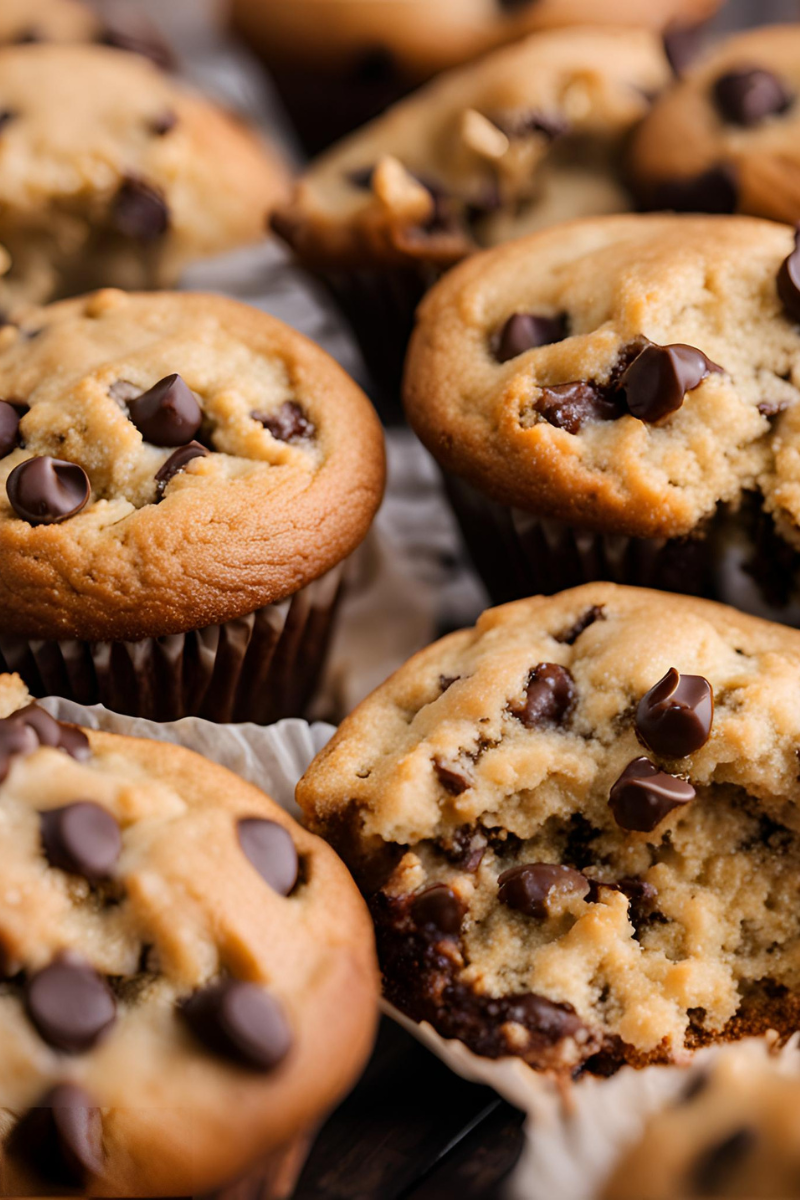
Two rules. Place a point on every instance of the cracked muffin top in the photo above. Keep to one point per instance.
(529, 136)
(187, 977)
(625, 373)
(113, 174)
(577, 826)
(171, 461)
(725, 138)
(421, 38)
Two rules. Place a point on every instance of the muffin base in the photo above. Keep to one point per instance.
(260, 667)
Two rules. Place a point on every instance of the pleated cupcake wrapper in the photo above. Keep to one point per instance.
(519, 554)
(259, 667)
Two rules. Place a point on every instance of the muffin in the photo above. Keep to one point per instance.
(529, 136)
(370, 54)
(576, 824)
(113, 174)
(616, 398)
(47, 21)
(725, 138)
(182, 478)
(187, 978)
(735, 1131)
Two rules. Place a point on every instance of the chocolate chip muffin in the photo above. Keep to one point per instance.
(616, 398)
(181, 480)
(734, 1131)
(725, 138)
(576, 826)
(187, 978)
(113, 174)
(371, 54)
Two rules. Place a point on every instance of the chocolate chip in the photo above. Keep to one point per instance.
(643, 796)
(81, 838)
(451, 779)
(167, 414)
(51, 732)
(656, 382)
(9, 428)
(361, 177)
(549, 697)
(439, 909)
(464, 848)
(747, 97)
(44, 491)
(789, 281)
(70, 1005)
(527, 888)
(288, 424)
(271, 850)
(554, 1022)
(524, 331)
(239, 1021)
(7, 115)
(570, 637)
(62, 1137)
(176, 463)
(139, 211)
(640, 894)
(714, 1171)
(16, 738)
(164, 123)
(713, 191)
(674, 718)
(571, 405)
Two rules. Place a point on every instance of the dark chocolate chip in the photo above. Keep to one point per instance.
(656, 382)
(571, 405)
(439, 909)
(747, 97)
(62, 1137)
(542, 1016)
(570, 637)
(549, 696)
(643, 796)
(164, 123)
(139, 211)
(465, 848)
(9, 428)
(640, 894)
(674, 718)
(713, 191)
(70, 1005)
(789, 281)
(524, 331)
(288, 424)
(271, 850)
(527, 888)
(239, 1021)
(81, 838)
(44, 491)
(714, 1171)
(7, 115)
(167, 414)
(361, 178)
(176, 463)
(452, 780)
(16, 738)
(51, 732)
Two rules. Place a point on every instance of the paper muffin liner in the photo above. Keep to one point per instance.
(260, 667)
(519, 554)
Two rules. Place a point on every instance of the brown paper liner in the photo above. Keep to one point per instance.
(518, 554)
(260, 667)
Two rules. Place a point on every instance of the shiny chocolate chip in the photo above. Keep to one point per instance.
(45, 491)
(527, 888)
(438, 909)
(549, 697)
(62, 1137)
(713, 191)
(451, 778)
(70, 1005)
(9, 428)
(51, 732)
(789, 281)
(748, 96)
(656, 382)
(241, 1022)
(7, 115)
(81, 838)
(525, 331)
(570, 406)
(271, 850)
(139, 211)
(643, 796)
(674, 717)
(714, 1171)
(177, 462)
(288, 424)
(167, 414)
(552, 1021)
